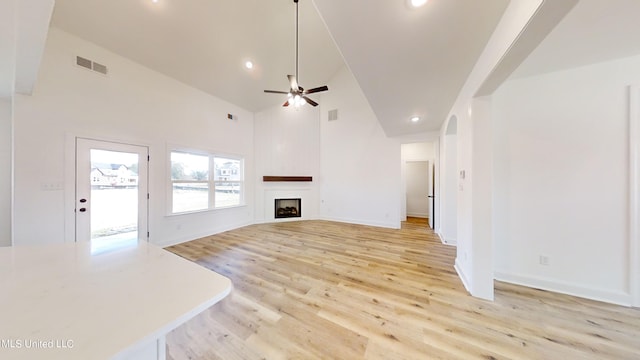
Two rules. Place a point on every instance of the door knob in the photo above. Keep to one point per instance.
(83, 200)
(83, 209)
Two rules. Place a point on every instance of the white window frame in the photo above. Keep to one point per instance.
(212, 183)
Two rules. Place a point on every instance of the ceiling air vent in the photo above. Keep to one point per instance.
(91, 65)
(333, 115)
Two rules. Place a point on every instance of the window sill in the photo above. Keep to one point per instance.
(205, 210)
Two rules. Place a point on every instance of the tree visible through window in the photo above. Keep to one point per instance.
(192, 181)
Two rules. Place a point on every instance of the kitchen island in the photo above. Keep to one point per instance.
(72, 301)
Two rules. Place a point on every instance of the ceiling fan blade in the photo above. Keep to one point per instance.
(286, 103)
(275, 92)
(309, 101)
(292, 82)
(315, 90)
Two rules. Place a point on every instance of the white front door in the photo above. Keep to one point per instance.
(111, 192)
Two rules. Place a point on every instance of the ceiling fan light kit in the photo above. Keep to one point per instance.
(416, 3)
(297, 96)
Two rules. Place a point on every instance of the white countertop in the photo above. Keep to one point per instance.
(63, 302)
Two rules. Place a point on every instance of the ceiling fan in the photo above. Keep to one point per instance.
(297, 96)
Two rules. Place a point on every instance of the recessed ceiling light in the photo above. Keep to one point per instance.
(248, 64)
(415, 119)
(154, 1)
(418, 3)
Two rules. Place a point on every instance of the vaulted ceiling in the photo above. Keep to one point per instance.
(411, 61)
(205, 43)
(407, 61)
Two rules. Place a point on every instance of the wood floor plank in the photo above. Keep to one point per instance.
(327, 290)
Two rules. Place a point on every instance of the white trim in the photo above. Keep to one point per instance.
(450, 241)
(82, 145)
(362, 222)
(418, 215)
(70, 173)
(634, 195)
(615, 297)
(462, 276)
(13, 170)
(211, 182)
(70, 187)
(200, 235)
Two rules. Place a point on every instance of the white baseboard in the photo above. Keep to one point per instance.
(614, 297)
(418, 215)
(448, 241)
(191, 237)
(388, 225)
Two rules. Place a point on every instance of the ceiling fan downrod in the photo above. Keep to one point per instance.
(296, 2)
(296, 94)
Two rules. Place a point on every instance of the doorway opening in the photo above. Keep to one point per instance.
(419, 184)
(111, 193)
(418, 189)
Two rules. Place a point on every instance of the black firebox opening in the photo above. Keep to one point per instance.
(288, 208)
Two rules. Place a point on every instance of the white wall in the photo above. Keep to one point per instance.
(6, 117)
(464, 218)
(287, 143)
(634, 189)
(514, 20)
(562, 167)
(420, 151)
(7, 88)
(134, 105)
(482, 199)
(449, 174)
(470, 247)
(359, 166)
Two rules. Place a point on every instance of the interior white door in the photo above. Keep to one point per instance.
(417, 188)
(111, 204)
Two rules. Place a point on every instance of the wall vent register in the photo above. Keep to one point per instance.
(91, 65)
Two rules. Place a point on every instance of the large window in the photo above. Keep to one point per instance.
(205, 181)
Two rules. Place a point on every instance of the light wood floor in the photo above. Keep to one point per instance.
(325, 290)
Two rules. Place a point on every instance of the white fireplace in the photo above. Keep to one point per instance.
(303, 200)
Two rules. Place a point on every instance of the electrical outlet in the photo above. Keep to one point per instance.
(544, 260)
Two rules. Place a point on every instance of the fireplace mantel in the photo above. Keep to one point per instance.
(287, 178)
